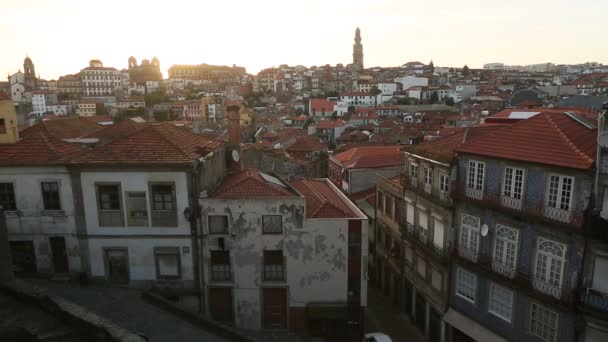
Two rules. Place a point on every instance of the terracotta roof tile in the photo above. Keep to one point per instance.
(155, 144)
(327, 124)
(322, 200)
(307, 144)
(38, 148)
(251, 183)
(546, 138)
(64, 128)
(371, 157)
(443, 148)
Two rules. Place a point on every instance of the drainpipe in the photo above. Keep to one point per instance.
(600, 127)
(199, 277)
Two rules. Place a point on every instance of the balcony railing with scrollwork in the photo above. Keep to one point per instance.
(468, 253)
(420, 237)
(571, 218)
(537, 286)
(474, 193)
(594, 299)
(506, 270)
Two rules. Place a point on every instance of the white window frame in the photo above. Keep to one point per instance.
(558, 208)
(428, 176)
(506, 242)
(512, 187)
(494, 304)
(550, 256)
(444, 182)
(539, 331)
(462, 289)
(468, 239)
(475, 182)
(413, 173)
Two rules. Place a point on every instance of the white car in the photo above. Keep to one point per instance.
(376, 337)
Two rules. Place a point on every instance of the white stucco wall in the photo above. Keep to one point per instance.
(140, 241)
(31, 223)
(315, 253)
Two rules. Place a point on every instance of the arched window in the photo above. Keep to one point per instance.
(549, 268)
(505, 250)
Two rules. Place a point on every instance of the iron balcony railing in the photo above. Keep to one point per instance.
(420, 237)
(427, 191)
(572, 217)
(540, 286)
(594, 299)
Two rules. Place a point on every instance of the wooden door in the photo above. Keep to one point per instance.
(274, 308)
(118, 266)
(24, 256)
(220, 303)
(60, 256)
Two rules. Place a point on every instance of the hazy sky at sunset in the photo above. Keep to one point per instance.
(61, 36)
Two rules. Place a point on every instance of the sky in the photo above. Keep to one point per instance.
(61, 36)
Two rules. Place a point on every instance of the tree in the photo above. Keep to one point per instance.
(100, 109)
(404, 101)
(434, 97)
(449, 101)
(375, 92)
(334, 115)
(351, 109)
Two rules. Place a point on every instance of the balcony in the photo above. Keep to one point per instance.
(427, 191)
(420, 237)
(537, 287)
(538, 210)
(594, 299)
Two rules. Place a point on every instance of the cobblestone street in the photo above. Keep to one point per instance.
(126, 308)
(382, 316)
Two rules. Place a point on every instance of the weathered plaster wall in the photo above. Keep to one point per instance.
(315, 252)
(30, 222)
(364, 179)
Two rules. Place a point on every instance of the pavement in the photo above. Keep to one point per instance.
(383, 316)
(126, 307)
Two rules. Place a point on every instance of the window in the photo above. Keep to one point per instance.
(414, 173)
(543, 322)
(466, 285)
(7, 196)
(218, 224)
(428, 176)
(164, 209)
(421, 267)
(550, 260)
(505, 250)
(380, 205)
(2, 126)
(444, 183)
(272, 224)
(109, 205)
(423, 224)
(513, 183)
(273, 266)
(559, 197)
(475, 179)
(220, 266)
(468, 243)
(436, 279)
(388, 209)
(168, 263)
(137, 211)
(501, 302)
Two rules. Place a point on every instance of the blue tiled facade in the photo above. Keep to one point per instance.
(530, 226)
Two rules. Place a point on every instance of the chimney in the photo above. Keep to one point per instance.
(234, 125)
(234, 139)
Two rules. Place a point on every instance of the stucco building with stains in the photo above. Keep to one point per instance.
(284, 256)
(521, 199)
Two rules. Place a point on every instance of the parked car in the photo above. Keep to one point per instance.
(376, 337)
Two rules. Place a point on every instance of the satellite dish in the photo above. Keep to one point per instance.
(484, 230)
(602, 140)
(235, 155)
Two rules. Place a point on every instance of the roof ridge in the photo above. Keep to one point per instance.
(170, 141)
(318, 194)
(565, 137)
(51, 146)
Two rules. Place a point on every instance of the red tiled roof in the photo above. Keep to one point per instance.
(250, 183)
(155, 144)
(326, 124)
(64, 128)
(371, 157)
(4, 96)
(319, 105)
(322, 200)
(307, 144)
(36, 149)
(116, 131)
(547, 138)
(443, 148)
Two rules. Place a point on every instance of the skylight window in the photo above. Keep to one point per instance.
(580, 120)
